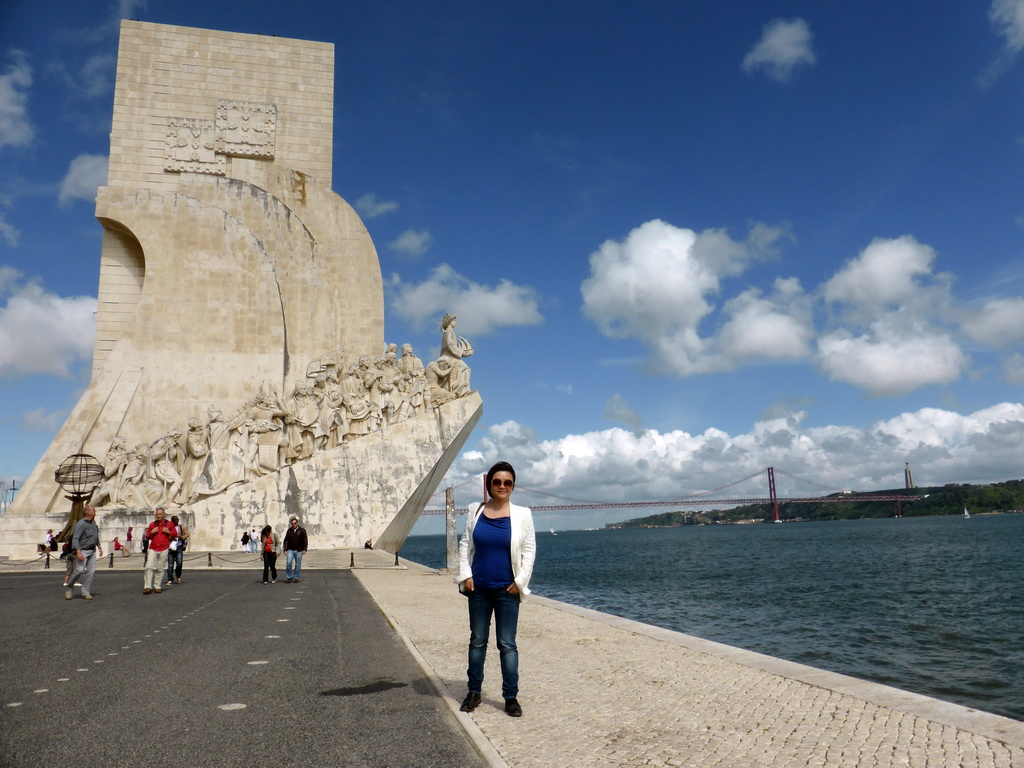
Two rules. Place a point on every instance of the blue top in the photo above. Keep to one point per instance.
(492, 556)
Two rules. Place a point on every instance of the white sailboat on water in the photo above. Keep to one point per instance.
(967, 515)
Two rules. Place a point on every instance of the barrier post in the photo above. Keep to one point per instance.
(111, 560)
(351, 559)
(209, 559)
(45, 567)
(396, 558)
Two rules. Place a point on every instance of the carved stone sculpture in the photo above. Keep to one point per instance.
(455, 348)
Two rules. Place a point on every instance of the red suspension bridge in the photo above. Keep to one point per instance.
(770, 486)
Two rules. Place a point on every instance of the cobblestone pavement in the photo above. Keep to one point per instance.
(598, 691)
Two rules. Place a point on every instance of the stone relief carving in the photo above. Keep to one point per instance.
(245, 129)
(191, 147)
(240, 129)
(335, 404)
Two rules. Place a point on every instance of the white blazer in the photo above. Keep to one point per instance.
(524, 546)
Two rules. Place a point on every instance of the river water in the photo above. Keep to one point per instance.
(933, 605)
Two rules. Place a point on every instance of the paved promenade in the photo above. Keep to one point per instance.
(601, 691)
(596, 690)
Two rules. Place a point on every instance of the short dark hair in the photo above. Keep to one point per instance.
(501, 466)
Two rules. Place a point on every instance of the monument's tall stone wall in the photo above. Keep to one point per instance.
(228, 264)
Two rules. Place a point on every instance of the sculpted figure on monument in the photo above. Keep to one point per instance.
(267, 442)
(332, 412)
(222, 467)
(383, 389)
(419, 394)
(132, 477)
(408, 363)
(303, 420)
(438, 381)
(455, 348)
(197, 446)
(162, 465)
(361, 414)
(113, 466)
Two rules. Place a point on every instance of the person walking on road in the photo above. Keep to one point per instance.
(269, 544)
(85, 543)
(295, 545)
(496, 557)
(176, 553)
(159, 534)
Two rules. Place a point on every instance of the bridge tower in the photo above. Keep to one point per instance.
(773, 495)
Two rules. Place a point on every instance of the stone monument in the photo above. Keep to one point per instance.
(240, 371)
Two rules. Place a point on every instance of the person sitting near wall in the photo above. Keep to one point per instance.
(119, 547)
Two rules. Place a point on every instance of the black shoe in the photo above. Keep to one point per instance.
(512, 708)
(471, 702)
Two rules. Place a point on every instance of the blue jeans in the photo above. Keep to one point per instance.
(174, 561)
(293, 557)
(505, 607)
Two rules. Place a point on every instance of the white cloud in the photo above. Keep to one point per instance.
(1007, 16)
(481, 308)
(886, 361)
(370, 207)
(619, 465)
(773, 327)
(412, 242)
(896, 337)
(887, 274)
(41, 332)
(617, 409)
(41, 420)
(655, 285)
(86, 173)
(998, 323)
(8, 232)
(784, 45)
(15, 127)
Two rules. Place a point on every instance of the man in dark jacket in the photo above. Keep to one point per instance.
(295, 545)
(85, 543)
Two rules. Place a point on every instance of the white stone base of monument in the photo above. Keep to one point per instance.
(373, 488)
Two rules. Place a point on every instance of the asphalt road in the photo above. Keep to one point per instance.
(218, 671)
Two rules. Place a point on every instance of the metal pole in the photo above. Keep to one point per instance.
(451, 544)
(111, 559)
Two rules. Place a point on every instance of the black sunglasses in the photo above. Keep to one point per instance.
(503, 483)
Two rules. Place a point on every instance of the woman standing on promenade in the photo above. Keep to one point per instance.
(269, 544)
(496, 556)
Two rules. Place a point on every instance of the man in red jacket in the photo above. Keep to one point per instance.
(159, 534)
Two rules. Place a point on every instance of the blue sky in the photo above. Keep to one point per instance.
(687, 240)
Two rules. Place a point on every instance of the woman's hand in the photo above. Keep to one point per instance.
(467, 585)
(513, 589)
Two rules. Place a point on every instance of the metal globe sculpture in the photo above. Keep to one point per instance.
(79, 474)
